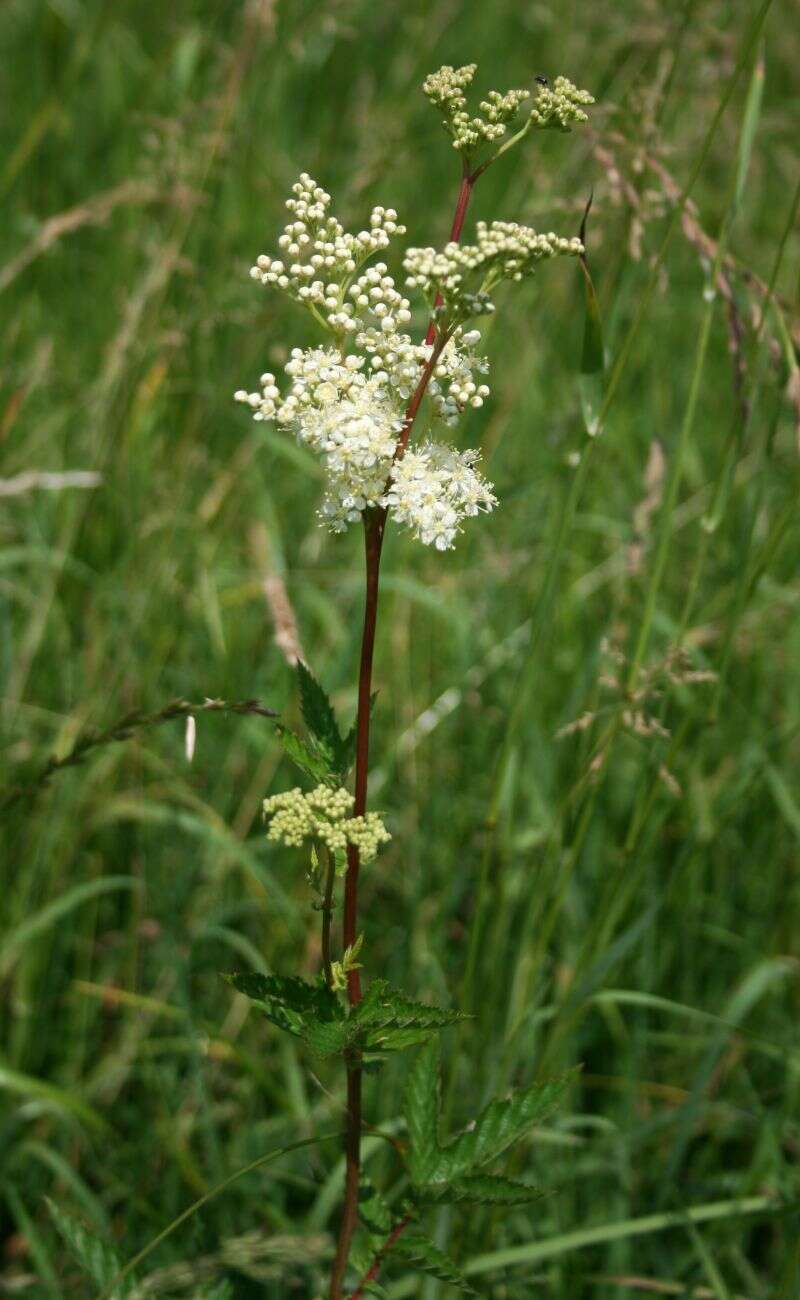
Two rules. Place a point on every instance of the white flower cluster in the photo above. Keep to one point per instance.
(465, 273)
(560, 105)
(326, 815)
(347, 401)
(433, 488)
(354, 420)
(334, 409)
(397, 362)
(445, 90)
(452, 386)
(319, 259)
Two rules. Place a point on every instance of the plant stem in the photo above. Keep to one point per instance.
(464, 196)
(374, 526)
(375, 1266)
(327, 914)
(374, 523)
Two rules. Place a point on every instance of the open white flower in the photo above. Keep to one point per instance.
(434, 487)
(352, 417)
(347, 401)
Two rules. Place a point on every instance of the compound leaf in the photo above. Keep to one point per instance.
(421, 1109)
(386, 1014)
(373, 1210)
(312, 759)
(433, 1167)
(420, 1251)
(305, 1010)
(317, 709)
(503, 1123)
(481, 1189)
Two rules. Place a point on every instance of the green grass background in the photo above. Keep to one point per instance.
(642, 924)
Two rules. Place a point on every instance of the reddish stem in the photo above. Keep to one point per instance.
(464, 196)
(375, 1267)
(374, 525)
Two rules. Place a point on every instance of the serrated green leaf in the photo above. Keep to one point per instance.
(317, 709)
(386, 1013)
(384, 1021)
(331, 1039)
(432, 1167)
(373, 1210)
(96, 1257)
(421, 1110)
(347, 751)
(315, 761)
(481, 1189)
(309, 1011)
(295, 994)
(501, 1124)
(381, 1042)
(421, 1252)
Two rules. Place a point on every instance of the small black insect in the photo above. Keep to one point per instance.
(542, 81)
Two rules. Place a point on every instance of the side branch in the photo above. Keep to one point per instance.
(375, 1267)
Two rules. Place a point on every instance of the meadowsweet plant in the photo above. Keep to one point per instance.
(381, 409)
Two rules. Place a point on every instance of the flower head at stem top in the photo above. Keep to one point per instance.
(350, 401)
(477, 135)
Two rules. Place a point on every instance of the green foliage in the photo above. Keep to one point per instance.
(502, 1123)
(324, 755)
(318, 713)
(384, 1021)
(481, 1189)
(96, 1257)
(307, 1010)
(391, 1022)
(433, 1166)
(424, 1255)
(320, 719)
(373, 1211)
(309, 756)
(421, 1111)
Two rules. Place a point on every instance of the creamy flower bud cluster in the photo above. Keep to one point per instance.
(445, 90)
(319, 259)
(465, 273)
(560, 105)
(325, 815)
